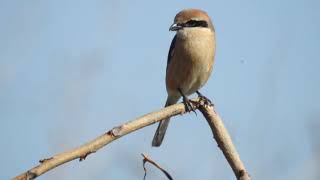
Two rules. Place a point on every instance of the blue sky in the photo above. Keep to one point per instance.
(71, 70)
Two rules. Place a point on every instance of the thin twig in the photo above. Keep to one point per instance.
(148, 159)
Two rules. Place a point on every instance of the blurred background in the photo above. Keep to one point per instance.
(71, 70)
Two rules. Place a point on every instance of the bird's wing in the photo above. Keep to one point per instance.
(171, 51)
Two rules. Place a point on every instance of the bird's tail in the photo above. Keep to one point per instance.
(163, 125)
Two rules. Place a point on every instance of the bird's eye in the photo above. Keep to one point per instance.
(195, 23)
(191, 23)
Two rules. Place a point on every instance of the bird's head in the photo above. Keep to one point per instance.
(191, 18)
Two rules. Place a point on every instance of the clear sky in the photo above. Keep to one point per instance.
(71, 70)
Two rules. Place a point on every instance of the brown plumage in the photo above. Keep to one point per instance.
(190, 59)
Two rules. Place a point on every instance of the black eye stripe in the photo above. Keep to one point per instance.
(195, 23)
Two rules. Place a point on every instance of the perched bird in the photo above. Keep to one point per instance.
(190, 60)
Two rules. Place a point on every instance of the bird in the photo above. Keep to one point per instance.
(190, 61)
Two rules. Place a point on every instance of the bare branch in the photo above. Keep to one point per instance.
(83, 151)
(220, 134)
(147, 159)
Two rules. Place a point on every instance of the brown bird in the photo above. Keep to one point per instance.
(190, 60)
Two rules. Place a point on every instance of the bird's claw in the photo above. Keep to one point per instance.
(203, 98)
(189, 105)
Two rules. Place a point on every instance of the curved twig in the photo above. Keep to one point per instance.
(147, 159)
(220, 133)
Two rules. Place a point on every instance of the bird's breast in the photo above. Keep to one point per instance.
(197, 44)
(196, 48)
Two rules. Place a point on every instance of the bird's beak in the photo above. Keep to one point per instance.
(175, 27)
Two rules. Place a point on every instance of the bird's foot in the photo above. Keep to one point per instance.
(206, 100)
(189, 105)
